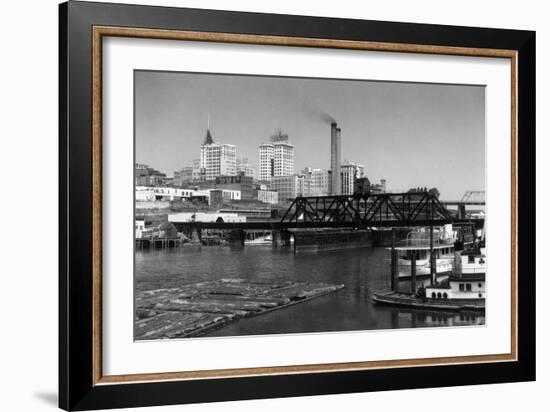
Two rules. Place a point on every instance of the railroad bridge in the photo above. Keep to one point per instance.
(359, 211)
(368, 210)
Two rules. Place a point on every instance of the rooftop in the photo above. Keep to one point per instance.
(467, 277)
(208, 138)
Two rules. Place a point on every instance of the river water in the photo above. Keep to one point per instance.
(362, 271)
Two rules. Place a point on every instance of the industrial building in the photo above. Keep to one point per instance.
(378, 187)
(319, 181)
(240, 182)
(189, 174)
(244, 167)
(147, 176)
(152, 193)
(268, 196)
(290, 187)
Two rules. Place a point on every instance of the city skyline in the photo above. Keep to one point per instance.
(378, 120)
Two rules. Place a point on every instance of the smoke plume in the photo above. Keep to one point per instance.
(317, 114)
(325, 117)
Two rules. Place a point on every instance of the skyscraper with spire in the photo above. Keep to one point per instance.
(217, 159)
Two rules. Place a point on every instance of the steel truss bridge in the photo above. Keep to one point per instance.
(353, 211)
(362, 210)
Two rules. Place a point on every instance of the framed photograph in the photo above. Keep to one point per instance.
(257, 205)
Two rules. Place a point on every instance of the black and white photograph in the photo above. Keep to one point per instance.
(278, 205)
(275, 206)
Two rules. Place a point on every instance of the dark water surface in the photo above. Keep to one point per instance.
(362, 271)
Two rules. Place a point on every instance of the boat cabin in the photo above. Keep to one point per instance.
(459, 287)
(467, 283)
(473, 261)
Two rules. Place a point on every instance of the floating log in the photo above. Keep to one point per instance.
(196, 308)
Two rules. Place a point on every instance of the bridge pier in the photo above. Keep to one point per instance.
(237, 237)
(461, 211)
(196, 235)
(281, 238)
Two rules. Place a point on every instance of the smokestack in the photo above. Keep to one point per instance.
(335, 155)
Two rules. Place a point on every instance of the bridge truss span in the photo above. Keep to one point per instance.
(368, 209)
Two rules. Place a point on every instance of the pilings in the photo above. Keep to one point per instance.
(432, 257)
(394, 267)
(413, 273)
(461, 211)
(157, 243)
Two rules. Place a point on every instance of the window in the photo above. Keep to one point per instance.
(468, 287)
(471, 259)
(461, 287)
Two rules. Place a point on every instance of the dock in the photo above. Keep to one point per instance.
(197, 308)
(412, 301)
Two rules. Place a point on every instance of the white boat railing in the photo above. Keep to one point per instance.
(473, 271)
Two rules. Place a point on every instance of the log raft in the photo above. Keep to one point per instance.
(195, 309)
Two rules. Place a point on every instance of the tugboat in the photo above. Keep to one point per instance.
(462, 289)
(468, 284)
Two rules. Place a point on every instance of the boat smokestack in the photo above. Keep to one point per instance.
(335, 156)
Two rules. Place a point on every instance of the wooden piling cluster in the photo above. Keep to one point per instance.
(158, 243)
(196, 308)
(395, 266)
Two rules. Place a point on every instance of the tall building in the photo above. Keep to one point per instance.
(276, 157)
(319, 181)
(350, 172)
(335, 159)
(283, 163)
(217, 159)
(267, 160)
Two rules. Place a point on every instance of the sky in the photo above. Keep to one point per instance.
(411, 134)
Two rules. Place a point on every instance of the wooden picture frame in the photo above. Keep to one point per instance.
(82, 385)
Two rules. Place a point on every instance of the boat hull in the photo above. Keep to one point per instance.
(411, 301)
